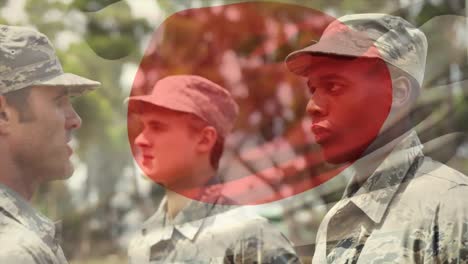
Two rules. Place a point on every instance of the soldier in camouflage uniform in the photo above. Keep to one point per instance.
(183, 125)
(36, 121)
(399, 206)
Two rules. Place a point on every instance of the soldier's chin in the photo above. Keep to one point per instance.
(160, 183)
(339, 156)
(149, 173)
(63, 173)
(69, 170)
(154, 177)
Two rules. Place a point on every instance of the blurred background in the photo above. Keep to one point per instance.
(241, 47)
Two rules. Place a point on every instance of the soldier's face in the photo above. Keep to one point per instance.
(40, 146)
(165, 147)
(349, 102)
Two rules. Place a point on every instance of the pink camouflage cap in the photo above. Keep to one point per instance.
(196, 95)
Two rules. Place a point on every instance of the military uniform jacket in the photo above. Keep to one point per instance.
(209, 233)
(26, 236)
(410, 210)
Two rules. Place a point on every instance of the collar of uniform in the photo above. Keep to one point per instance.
(155, 225)
(375, 195)
(18, 208)
(188, 221)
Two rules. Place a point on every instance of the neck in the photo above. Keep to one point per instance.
(376, 154)
(14, 179)
(192, 190)
(194, 181)
(175, 203)
(367, 165)
(385, 137)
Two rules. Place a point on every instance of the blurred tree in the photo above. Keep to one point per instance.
(92, 5)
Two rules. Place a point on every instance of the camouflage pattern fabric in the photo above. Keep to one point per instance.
(28, 58)
(26, 236)
(410, 210)
(382, 36)
(208, 233)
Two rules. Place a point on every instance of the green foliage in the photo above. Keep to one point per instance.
(113, 33)
(3, 3)
(430, 10)
(92, 5)
(111, 47)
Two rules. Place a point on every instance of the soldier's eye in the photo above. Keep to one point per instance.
(62, 100)
(333, 87)
(155, 126)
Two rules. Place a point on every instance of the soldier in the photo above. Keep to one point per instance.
(364, 74)
(184, 123)
(36, 122)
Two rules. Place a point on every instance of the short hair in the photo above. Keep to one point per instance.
(18, 99)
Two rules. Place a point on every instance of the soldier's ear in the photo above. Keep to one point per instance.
(5, 116)
(207, 140)
(401, 91)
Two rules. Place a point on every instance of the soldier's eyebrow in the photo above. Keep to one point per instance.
(157, 124)
(62, 94)
(332, 76)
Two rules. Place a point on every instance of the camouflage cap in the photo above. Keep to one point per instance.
(196, 95)
(382, 36)
(28, 58)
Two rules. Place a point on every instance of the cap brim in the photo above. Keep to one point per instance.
(300, 61)
(77, 85)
